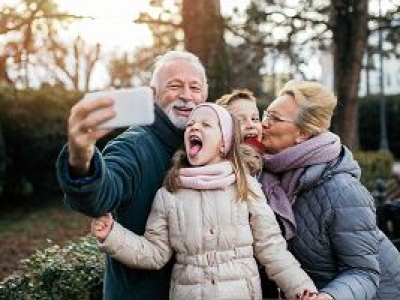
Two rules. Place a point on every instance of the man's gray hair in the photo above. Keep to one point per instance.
(177, 55)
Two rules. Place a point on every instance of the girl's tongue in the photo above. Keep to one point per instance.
(194, 149)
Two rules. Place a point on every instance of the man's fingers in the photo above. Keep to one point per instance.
(96, 118)
(88, 114)
(85, 107)
(99, 133)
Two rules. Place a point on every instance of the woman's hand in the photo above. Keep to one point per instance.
(307, 295)
(324, 296)
(102, 226)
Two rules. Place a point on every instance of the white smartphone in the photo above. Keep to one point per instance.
(133, 106)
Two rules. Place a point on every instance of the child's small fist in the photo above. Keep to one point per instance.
(102, 226)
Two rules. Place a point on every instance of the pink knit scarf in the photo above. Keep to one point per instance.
(209, 177)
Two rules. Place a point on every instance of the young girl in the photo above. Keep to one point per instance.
(214, 217)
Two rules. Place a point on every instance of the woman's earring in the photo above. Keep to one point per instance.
(222, 151)
(298, 140)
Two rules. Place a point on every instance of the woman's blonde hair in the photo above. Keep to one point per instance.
(239, 94)
(316, 103)
(172, 182)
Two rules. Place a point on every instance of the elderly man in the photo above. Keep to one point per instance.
(125, 177)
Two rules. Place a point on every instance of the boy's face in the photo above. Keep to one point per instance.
(247, 113)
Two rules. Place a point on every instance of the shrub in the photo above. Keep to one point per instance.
(2, 161)
(369, 123)
(374, 165)
(33, 126)
(73, 272)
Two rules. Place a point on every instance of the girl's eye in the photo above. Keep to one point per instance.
(206, 124)
(256, 119)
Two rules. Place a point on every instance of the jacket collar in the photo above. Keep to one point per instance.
(165, 131)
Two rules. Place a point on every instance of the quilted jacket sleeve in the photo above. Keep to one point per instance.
(151, 251)
(354, 238)
(271, 250)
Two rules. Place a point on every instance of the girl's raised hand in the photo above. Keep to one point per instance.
(102, 226)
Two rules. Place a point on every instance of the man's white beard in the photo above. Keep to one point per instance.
(178, 121)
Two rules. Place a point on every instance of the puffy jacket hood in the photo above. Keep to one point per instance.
(317, 174)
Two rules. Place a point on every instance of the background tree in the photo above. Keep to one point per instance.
(25, 27)
(165, 23)
(299, 29)
(121, 70)
(196, 26)
(70, 65)
(204, 36)
(349, 27)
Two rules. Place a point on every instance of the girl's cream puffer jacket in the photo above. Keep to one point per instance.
(215, 239)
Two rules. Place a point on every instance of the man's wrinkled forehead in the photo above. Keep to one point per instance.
(181, 70)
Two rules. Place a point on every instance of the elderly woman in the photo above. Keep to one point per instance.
(312, 183)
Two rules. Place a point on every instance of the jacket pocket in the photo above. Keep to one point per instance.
(234, 290)
(185, 292)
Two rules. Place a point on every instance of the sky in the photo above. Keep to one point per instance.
(113, 25)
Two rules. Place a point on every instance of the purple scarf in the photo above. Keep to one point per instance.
(282, 171)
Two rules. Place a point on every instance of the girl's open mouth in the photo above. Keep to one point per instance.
(195, 145)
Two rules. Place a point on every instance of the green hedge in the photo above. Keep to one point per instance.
(374, 165)
(33, 126)
(73, 272)
(369, 123)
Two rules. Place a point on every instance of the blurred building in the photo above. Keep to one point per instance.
(271, 84)
(369, 83)
(391, 77)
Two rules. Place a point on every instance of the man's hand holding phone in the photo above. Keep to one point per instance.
(99, 113)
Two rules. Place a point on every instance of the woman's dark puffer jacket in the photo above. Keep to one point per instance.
(337, 241)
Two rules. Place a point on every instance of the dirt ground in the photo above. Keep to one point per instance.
(25, 229)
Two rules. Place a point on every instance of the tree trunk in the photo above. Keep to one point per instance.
(204, 36)
(3, 164)
(4, 77)
(349, 20)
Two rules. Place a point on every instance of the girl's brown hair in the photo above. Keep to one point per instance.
(244, 192)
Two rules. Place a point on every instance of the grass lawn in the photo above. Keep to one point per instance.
(23, 230)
